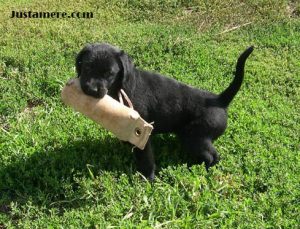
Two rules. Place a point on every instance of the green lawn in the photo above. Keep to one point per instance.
(60, 170)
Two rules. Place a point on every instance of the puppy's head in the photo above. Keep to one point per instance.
(102, 67)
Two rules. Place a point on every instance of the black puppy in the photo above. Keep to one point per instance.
(198, 117)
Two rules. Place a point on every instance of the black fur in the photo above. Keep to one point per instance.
(198, 117)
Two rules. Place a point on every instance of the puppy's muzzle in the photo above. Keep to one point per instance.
(94, 88)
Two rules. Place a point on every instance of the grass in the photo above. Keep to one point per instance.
(60, 170)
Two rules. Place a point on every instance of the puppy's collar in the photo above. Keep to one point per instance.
(122, 93)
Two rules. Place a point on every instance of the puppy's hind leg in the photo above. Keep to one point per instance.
(201, 150)
(145, 161)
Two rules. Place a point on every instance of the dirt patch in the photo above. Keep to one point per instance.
(293, 9)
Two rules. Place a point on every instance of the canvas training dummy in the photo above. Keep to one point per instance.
(122, 121)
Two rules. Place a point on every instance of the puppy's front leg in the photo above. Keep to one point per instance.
(145, 161)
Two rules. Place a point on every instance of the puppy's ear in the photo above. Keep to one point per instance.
(127, 65)
(79, 58)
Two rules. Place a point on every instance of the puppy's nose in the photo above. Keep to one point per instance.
(94, 88)
(98, 91)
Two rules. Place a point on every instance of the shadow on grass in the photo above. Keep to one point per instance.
(51, 174)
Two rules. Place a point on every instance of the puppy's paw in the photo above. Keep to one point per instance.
(149, 177)
(211, 159)
(147, 172)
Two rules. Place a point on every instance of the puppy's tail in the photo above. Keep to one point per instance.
(227, 96)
